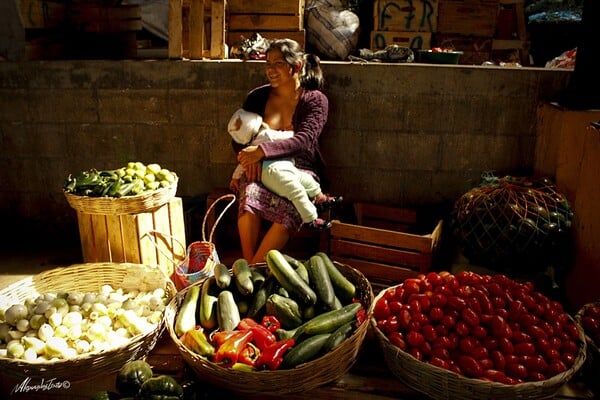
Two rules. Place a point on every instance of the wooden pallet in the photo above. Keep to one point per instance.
(197, 29)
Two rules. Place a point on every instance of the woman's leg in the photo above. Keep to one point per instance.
(276, 237)
(249, 229)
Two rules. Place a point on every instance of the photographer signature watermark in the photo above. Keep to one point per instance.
(43, 385)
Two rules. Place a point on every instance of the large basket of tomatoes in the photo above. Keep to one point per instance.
(589, 319)
(471, 336)
(275, 328)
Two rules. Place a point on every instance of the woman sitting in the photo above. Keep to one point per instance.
(292, 98)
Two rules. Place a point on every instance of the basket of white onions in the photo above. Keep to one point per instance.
(83, 320)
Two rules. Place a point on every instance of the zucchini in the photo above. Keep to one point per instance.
(186, 318)
(286, 310)
(207, 312)
(222, 276)
(319, 277)
(259, 298)
(243, 276)
(343, 288)
(257, 277)
(305, 351)
(299, 267)
(331, 320)
(289, 278)
(338, 336)
(228, 314)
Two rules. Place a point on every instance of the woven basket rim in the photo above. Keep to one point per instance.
(312, 374)
(85, 366)
(143, 202)
(592, 345)
(533, 390)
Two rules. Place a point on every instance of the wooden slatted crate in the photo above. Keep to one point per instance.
(401, 16)
(381, 244)
(197, 29)
(155, 237)
(468, 17)
(272, 19)
(412, 40)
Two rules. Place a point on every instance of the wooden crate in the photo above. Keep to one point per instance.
(156, 237)
(197, 29)
(413, 40)
(468, 17)
(381, 244)
(400, 15)
(272, 19)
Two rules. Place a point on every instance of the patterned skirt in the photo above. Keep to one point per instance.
(257, 199)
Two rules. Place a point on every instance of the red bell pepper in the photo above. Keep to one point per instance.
(228, 353)
(272, 357)
(262, 336)
(249, 355)
(220, 337)
(271, 323)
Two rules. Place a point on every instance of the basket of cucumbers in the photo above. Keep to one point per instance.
(284, 326)
(131, 189)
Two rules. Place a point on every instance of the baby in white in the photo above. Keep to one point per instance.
(281, 175)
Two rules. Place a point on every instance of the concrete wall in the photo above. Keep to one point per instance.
(403, 134)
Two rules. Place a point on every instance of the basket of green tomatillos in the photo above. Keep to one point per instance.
(279, 327)
(131, 189)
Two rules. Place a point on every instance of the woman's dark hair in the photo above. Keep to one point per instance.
(311, 75)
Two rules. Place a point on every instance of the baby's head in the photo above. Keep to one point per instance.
(244, 125)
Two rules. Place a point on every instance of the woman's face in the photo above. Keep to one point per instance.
(278, 71)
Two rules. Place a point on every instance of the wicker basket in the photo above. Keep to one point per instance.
(439, 383)
(591, 369)
(306, 376)
(139, 203)
(87, 278)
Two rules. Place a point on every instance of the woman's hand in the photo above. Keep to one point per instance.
(250, 158)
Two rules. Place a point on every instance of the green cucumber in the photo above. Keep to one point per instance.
(222, 275)
(319, 277)
(243, 276)
(343, 288)
(207, 310)
(286, 310)
(338, 336)
(228, 314)
(331, 320)
(186, 317)
(299, 267)
(259, 297)
(289, 278)
(307, 350)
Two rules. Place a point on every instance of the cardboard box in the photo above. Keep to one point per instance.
(154, 238)
(413, 40)
(382, 245)
(401, 15)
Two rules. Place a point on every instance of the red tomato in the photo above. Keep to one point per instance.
(456, 302)
(535, 376)
(568, 359)
(495, 376)
(436, 314)
(434, 278)
(498, 360)
(414, 338)
(520, 337)
(517, 371)
(470, 366)
(480, 353)
(553, 355)
(571, 329)
(469, 316)
(495, 290)
(448, 321)
(569, 346)
(411, 285)
(462, 329)
(542, 345)
(442, 342)
(490, 343)
(440, 352)
(506, 346)
(486, 363)
(429, 333)
(516, 309)
(442, 330)
(438, 300)
(392, 324)
(395, 306)
(404, 318)
(479, 332)
(397, 339)
(500, 328)
(536, 363)
(592, 311)
(416, 353)
(467, 344)
(382, 309)
(590, 324)
(536, 332)
(556, 367)
(501, 312)
(438, 362)
(525, 349)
